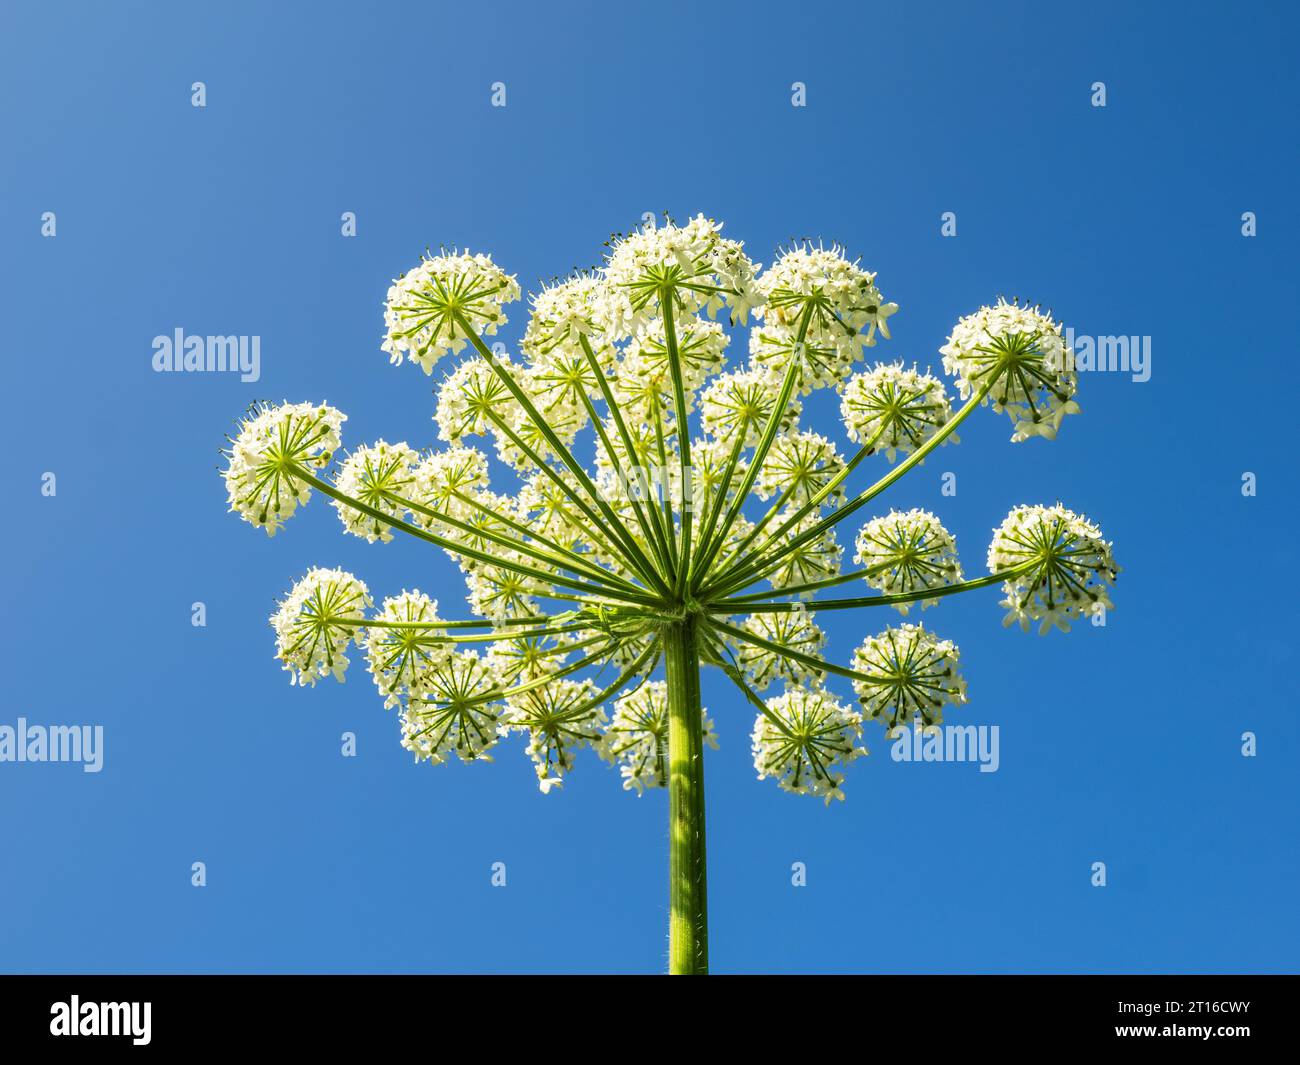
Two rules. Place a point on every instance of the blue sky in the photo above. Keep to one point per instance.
(1119, 744)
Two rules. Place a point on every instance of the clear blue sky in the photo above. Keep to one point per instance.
(1119, 744)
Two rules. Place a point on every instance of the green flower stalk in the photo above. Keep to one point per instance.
(706, 533)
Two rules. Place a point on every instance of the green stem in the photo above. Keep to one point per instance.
(710, 551)
(666, 298)
(811, 661)
(543, 466)
(629, 446)
(464, 549)
(755, 568)
(617, 464)
(555, 555)
(688, 922)
(630, 549)
(813, 586)
(575, 563)
(473, 623)
(809, 505)
(730, 607)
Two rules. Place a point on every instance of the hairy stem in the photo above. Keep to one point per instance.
(688, 923)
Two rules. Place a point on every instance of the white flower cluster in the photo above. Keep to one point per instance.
(402, 652)
(1023, 352)
(563, 314)
(740, 403)
(843, 309)
(799, 465)
(802, 741)
(807, 561)
(315, 623)
(907, 673)
(429, 307)
(907, 552)
(701, 347)
(637, 737)
(451, 715)
(526, 658)
(612, 545)
(1068, 566)
(794, 630)
(558, 718)
(894, 409)
(707, 271)
(550, 512)
(501, 593)
(382, 476)
(444, 479)
(475, 400)
(261, 485)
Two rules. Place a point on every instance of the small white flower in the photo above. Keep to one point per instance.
(1071, 566)
(821, 365)
(620, 470)
(704, 271)
(564, 380)
(526, 658)
(742, 402)
(315, 623)
(710, 457)
(909, 551)
(637, 736)
(815, 559)
(803, 741)
(1023, 352)
(549, 510)
(427, 307)
(798, 466)
(558, 717)
(444, 482)
(383, 477)
(843, 307)
(562, 315)
(500, 592)
(482, 523)
(700, 347)
(908, 674)
(454, 713)
(473, 398)
(644, 392)
(522, 440)
(402, 654)
(899, 409)
(793, 629)
(261, 485)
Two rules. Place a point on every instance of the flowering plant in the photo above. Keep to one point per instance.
(650, 561)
